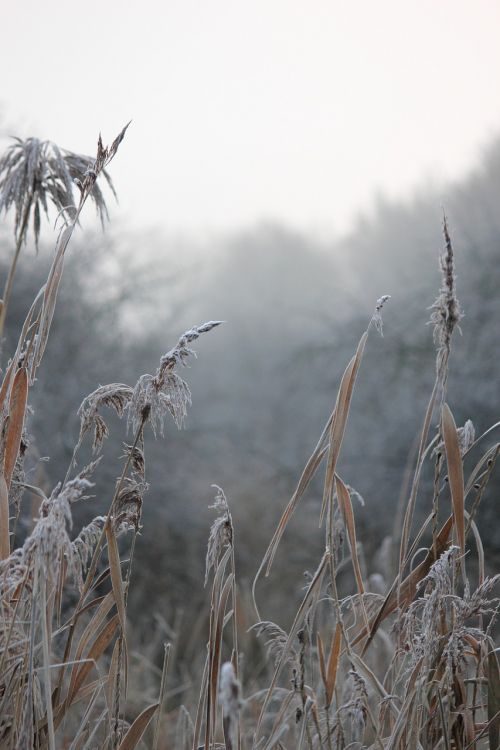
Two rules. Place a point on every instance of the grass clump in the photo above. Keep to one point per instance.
(366, 662)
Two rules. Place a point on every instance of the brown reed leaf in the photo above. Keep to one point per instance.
(92, 627)
(321, 658)
(17, 411)
(304, 481)
(112, 678)
(333, 663)
(116, 575)
(339, 421)
(455, 474)
(98, 647)
(346, 508)
(138, 727)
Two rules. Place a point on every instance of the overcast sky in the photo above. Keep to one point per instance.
(289, 110)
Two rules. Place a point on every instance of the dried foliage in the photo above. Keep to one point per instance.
(35, 174)
(446, 312)
(155, 396)
(412, 664)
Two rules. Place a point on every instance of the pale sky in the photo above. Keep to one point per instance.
(286, 110)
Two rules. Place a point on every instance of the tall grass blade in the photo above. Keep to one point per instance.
(348, 515)
(333, 663)
(339, 421)
(116, 574)
(98, 647)
(139, 726)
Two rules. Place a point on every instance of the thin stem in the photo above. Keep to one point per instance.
(7, 290)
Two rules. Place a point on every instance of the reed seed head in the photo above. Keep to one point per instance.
(35, 174)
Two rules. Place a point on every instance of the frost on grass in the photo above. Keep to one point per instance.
(439, 605)
(376, 320)
(156, 396)
(276, 640)
(221, 532)
(35, 174)
(115, 396)
(446, 313)
(50, 543)
(152, 398)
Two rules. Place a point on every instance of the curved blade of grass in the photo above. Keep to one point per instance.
(339, 421)
(333, 430)
(99, 645)
(333, 663)
(305, 478)
(116, 575)
(92, 627)
(137, 729)
(117, 587)
(348, 515)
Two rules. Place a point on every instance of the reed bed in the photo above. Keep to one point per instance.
(406, 663)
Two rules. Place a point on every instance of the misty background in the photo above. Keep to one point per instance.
(285, 169)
